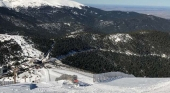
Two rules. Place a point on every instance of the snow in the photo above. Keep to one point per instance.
(129, 53)
(164, 55)
(71, 36)
(160, 55)
(76, 32)
(103, 23)
(122, 85)
(27, 49)
(120, 37)
(95, 37)
(1, 4)
(46, 83)
(38, 3)
(67, 24)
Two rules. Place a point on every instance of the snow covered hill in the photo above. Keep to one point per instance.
(38, 3)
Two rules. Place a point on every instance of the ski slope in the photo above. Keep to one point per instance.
(123, 85)
(47, 84)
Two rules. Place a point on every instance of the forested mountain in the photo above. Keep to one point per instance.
(143, 53)
(53, 21)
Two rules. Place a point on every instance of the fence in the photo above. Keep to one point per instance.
(2, 83)
(109, 76)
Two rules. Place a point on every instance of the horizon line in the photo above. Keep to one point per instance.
(129, 5)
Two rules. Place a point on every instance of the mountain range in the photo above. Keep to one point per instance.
(84, 37)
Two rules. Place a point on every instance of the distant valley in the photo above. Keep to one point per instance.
(163, 12)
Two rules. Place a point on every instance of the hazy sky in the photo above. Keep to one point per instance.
(128, 2)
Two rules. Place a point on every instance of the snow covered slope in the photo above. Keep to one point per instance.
(44, 80)
(37, 3)
(27, 49)
(122, 85)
